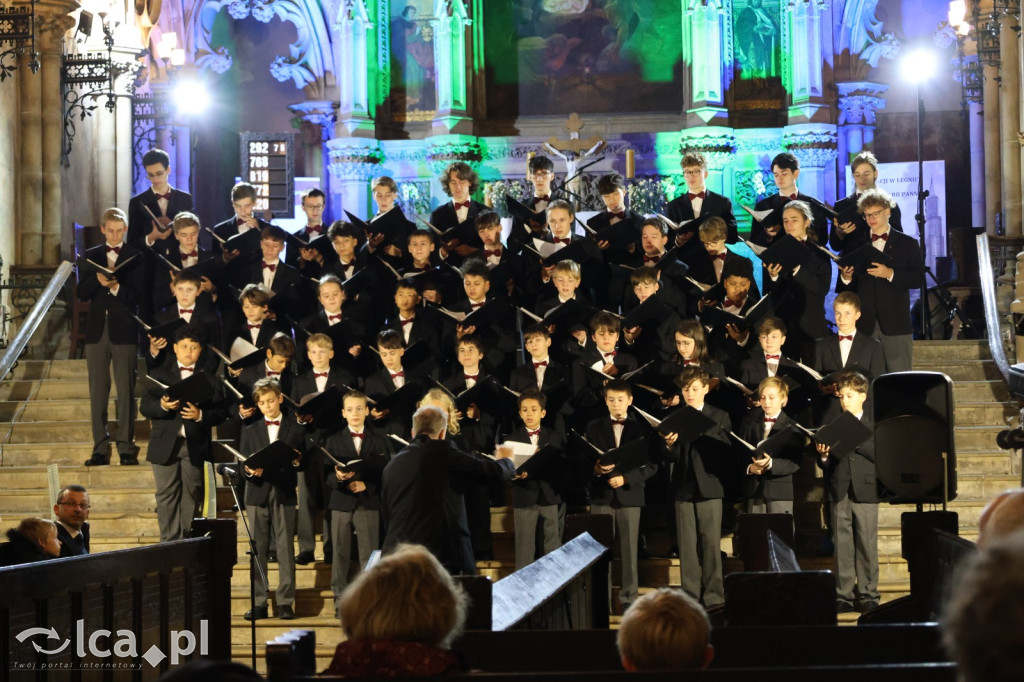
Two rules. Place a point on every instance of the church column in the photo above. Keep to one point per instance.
(450, 24)
(993, 186)
(321, 113)
(704, 25)
(816, 147)
(802, 60)
(1009, 118)
(41, 122)
(353, 162)
(858, 102)
(352, 25)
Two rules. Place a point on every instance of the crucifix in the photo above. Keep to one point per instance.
(572, 151)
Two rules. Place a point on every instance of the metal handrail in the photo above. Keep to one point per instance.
(34, 318)
(988, 295)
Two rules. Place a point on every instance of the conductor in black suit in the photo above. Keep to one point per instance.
(699, 201)
(72, 512)
(884, 290)
(418, 502)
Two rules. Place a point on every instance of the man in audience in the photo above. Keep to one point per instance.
(983, 627)
(72, 512)
(1002, 516)
(665, 630)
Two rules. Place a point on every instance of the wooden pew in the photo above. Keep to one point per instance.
(878, 654)
(137, 595)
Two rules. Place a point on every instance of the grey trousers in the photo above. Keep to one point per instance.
(897, 350)
(99, 357)
(283, 517)
(855, 528)
(366, 524)
(699, 533)
(525, 522)
(179, 492)
(763, 506)
(627, 528)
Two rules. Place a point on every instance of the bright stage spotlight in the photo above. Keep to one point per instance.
(192, 97)
(919, 65)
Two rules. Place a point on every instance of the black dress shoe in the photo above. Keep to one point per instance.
(673, 552)
(305, 558)
(257, 613)
(285, 613)
(868, 605)
(130, 461)
(97, 460)
(844, 607)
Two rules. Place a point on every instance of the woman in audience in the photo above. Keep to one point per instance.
(399, 617)
(33, 540)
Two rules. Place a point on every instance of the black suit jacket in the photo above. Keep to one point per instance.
(754, 369)
(237, 270)
(204, 321)
(283, 480)
(603, 220)
(419, 502)
(599, 433)
(862, 234)
(113, 310)
(865, 352)
(777, 482)
(546, 488)
(211, 267)
(375, 453)
(73, 546)
(702, 464)
(268, 330)
(444, 217)
(884, 302)
(800, 299)
(167, 424)
(820, 225)
(139, 222)
(714, 204)
(853, 474)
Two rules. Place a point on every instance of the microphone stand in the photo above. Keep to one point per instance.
(563, 187)
(254, 560)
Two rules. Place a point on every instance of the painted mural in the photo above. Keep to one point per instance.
(589, 56)
(412, 96)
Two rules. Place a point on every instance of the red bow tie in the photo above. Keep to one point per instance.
(357, 435)
(162, 196)
(494, 252)
(273, 374)
(610, 355)
(543, 363)
(317, 375)
(186, 369)
(843, 337)
(316, 228)
(476, 306)
(272, 423)
(270, 266)
(409, 321)
(688, 363)
(471, 377)
(883, 237)
(692, 196)
(460, 204)
(255, 326)
(769, 420)
(395, 375)
(621, 215)
(531, 434)
(240, 221)
(194, 254)
(719, 256)
(651, 259)
(791, 197)
(560, 240)
(332, 318)
(545, 197)
(728, 303)
(772, 357)
(184, 311)
(618, 422)
(115, 249)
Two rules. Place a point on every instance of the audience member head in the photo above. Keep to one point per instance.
(40, 533)
(72, 508)
(665, 630)
(983, 625)
(406, 596)
(1002, 516)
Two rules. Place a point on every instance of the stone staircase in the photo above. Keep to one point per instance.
(44, 420)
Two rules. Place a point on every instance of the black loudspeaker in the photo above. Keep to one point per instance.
(915, 453)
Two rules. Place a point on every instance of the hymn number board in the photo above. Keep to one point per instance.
(268, 163)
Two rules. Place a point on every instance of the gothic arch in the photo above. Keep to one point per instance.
(310, 62)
